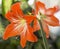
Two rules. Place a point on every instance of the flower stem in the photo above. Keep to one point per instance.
(46, 46)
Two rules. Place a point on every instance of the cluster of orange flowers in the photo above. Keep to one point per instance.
(21, 24)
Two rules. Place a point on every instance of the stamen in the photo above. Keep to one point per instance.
(40, 16)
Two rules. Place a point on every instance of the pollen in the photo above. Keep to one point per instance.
(23, 21)
(40, 16)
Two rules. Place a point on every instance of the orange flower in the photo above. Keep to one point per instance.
(46, 16)
(20, 25)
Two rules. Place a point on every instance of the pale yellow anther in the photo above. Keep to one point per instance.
(23, 21)
(40, 16)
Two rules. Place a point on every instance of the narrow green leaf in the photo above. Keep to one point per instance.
(1, 27)
(6, 4)
(3, 24)
(16, 0)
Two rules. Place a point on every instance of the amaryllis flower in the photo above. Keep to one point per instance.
(46, 16)
(20, 25)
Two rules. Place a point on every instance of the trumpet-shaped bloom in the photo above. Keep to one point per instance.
(46, 16)
(20, 25)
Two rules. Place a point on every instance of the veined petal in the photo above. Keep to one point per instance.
(16, 8)
(52, 21)
(29, 18)
(40, 7)
(23, 40)
(36, 25)
(12, 17)
(13, 30)
(51, 11)
(10, 31)
(30, 36)
(46, 29)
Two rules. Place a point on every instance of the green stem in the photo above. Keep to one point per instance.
(46, 46)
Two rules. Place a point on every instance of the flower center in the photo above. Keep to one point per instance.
(40, 16)
(23, 21)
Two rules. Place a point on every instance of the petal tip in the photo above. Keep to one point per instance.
(5, 38)
(47, 36)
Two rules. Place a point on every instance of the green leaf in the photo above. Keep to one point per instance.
(3, 24)
(6, 4)
(45, 42)
(1, 27)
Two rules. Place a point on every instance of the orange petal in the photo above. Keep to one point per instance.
(59, 23)
(23, 40)
(9, 32)
(33, 11)
(12, 30)
(30, 36)
(29, 18)
(12, 17)
(46, 29)
(16, 8)
(36, 25)
(51, 11)
(52, 20)
(40, 7)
